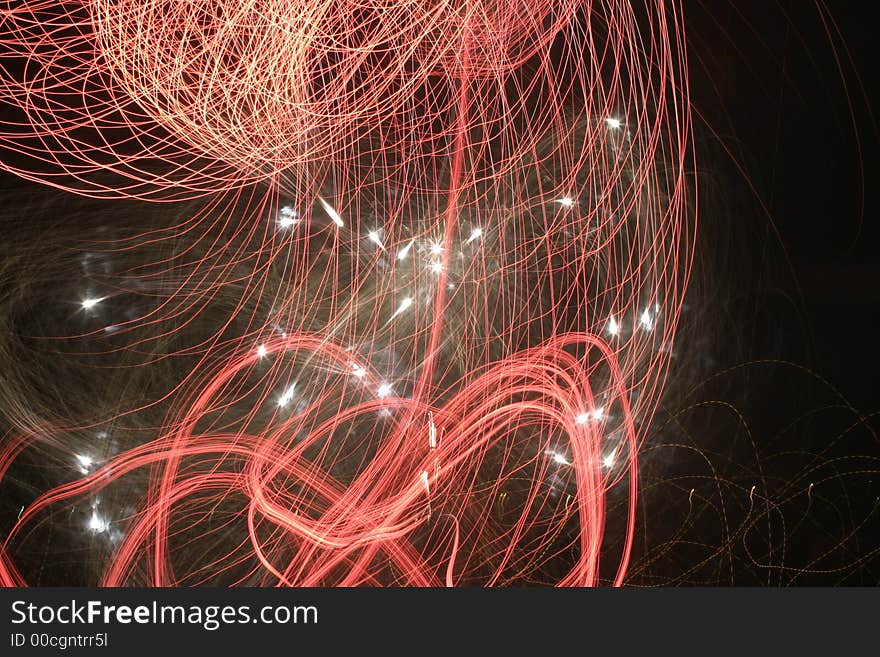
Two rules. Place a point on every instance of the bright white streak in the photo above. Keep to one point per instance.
(404, 305)
(98, 524)
(608, 460)
(404, 252)
(373, 236)
(287, 217)
(286, 396)
(613, 326)
(331, 212)
(88, 304)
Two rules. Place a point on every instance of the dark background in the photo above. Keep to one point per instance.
(789, 160)
(792, 103)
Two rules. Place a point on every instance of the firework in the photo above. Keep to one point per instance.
(425, 307)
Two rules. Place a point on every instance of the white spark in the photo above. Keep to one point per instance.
(436, 248)
(287, 217)
(566, 201)
(424, 474)
(286, 396)
(373, 236)
(384, 390)
(597, 414)
(88, 304)
(613, 123)
(262, 351)
(613, 326)
(646, 320)
(432, 432)
(476, 234)
(85, 462)
(98, 524)
(331, 212)
(358, 371)
(404, 252)
(437, 267)
(608, 460)
(405, 303)
(560, 459)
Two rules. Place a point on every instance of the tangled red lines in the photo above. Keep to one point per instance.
(458, 235)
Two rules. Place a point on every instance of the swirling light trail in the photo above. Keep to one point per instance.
(452, 330)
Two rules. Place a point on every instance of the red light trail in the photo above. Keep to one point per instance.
(459, 236)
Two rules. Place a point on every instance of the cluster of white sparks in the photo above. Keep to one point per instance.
(288, 218)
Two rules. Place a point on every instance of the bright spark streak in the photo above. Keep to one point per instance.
(432, 432)
(404, 252)
(404, 305)
(613, 123)
(84, 460)
(331, 212)
(437, 267)
(608, 460)
(358, 371)
(560, 459)
(88, 304)
(598, 413)
(288, 217)
(476, 234)
(373, 236)
(97, 524)
(613, 326)
(384, 390)
(262, 351)
(436, 249)
(646, 320)
(566, 201)
(427, 486)
(582, 418)
(286, 396)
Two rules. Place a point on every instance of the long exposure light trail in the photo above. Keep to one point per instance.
(458, 235)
